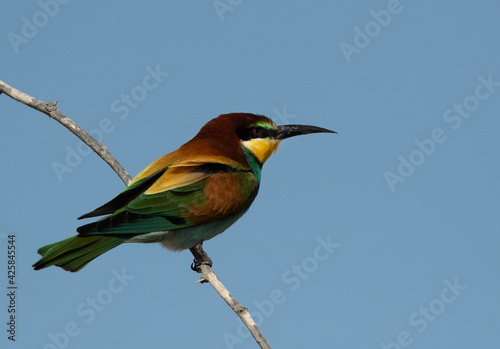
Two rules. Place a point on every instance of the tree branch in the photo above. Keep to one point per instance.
(207, 274)
(51, 110)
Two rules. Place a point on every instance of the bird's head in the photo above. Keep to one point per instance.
(257, 133)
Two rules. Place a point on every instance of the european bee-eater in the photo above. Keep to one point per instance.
(185, 197)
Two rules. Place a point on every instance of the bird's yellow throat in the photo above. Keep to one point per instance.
(262, 148)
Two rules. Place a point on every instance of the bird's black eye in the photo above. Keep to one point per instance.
(247, 133)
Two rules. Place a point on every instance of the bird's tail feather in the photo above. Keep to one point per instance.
(74, 253)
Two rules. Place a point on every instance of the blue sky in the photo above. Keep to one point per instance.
(383, 236)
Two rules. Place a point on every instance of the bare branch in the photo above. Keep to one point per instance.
(51, 110)
(207, 274)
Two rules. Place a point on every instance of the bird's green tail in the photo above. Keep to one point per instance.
(74, 253)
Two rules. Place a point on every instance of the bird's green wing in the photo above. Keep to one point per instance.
(219, 193)
(125, 196)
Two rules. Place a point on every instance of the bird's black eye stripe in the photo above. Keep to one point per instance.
(246, 133)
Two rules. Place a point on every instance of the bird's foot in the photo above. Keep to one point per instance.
(196, 265)
(200, 257)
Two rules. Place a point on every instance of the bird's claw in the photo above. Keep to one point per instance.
(200, 257)
(196, 265)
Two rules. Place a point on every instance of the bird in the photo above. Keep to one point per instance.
(185, 197)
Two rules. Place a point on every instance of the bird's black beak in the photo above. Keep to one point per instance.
(286, 131)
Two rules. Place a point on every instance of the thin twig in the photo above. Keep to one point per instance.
(240, 310)
(51, 110)
(207, 274)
